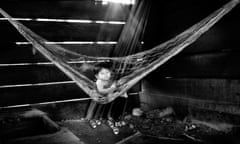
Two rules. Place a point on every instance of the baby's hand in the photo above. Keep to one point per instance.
(114, 85)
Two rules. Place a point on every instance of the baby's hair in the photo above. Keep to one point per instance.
(100, 66)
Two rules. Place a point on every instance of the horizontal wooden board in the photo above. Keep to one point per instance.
(82, 9)
(30, 75)
(219, 90)
(31, 95)
(20, 76)
(222, 95)
(14, 75)
(209, 65)
(12, 54)
(63, 31)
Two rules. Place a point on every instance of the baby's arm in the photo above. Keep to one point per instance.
(104, 90)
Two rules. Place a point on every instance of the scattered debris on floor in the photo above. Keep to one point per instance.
(164, 123)
(151, 127)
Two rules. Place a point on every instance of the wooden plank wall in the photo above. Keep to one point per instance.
(207, 73)
(12, 56)
(204, 75)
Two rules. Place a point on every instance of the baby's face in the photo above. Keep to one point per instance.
(104, 74)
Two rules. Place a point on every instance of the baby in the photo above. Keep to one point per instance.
(105, 83)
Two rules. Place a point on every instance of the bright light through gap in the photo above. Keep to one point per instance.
(127, 2)
(68, 20)
(75, 42)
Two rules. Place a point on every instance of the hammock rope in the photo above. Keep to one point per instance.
(137, 65)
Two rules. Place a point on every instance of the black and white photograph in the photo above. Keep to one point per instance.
(120, 72)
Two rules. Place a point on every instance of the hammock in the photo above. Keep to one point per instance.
(136, 66)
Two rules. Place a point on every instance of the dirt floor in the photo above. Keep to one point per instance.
(166, 125)
(200, 127)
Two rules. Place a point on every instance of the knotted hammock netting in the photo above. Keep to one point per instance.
(130, 68)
